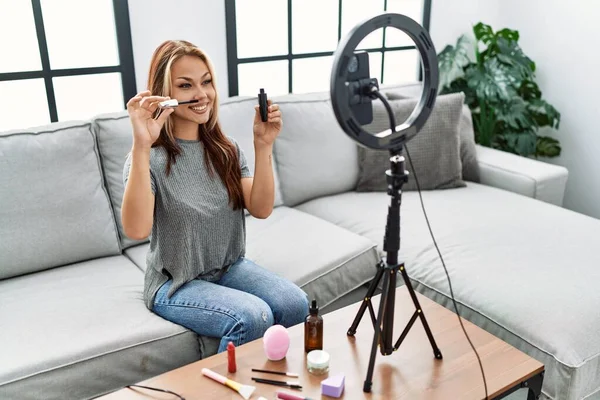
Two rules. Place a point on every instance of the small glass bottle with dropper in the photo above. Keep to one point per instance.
(313, 329)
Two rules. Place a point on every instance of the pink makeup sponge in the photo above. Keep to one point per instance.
(276, 342)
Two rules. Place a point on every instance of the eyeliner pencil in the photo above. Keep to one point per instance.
(278, 383)
(290, 374)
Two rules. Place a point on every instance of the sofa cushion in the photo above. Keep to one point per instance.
(435, 151)
(137, 254)
(322, 258)
(82, 330)
(314, 156)
(236, 116)
(468, 151)
(526, 271)
(115, 139)
(54, 209)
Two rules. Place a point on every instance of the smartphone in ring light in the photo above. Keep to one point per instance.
(358, 68)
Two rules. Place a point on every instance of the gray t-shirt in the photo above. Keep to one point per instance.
(195, 232)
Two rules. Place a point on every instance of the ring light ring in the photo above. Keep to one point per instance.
(340, 96)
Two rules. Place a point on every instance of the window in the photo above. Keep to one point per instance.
(288, 46)
(63, 60)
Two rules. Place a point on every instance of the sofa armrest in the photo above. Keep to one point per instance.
(532, 178)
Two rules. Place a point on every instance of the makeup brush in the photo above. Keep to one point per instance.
(244, 390)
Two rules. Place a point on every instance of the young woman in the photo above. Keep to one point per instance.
(186, 186)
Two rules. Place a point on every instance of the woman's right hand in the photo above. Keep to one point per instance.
(141, 108)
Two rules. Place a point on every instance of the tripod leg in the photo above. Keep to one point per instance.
(436, 351)
(388, 315)
(367, 300)
(376, 334)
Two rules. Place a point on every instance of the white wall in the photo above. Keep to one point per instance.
(452, 18)
(201, 22)
(561, 38)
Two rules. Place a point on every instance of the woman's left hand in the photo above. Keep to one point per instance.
(266, 132)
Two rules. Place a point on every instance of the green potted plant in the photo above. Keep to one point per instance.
(500, 89)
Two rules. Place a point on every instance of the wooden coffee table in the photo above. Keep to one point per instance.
(411, 372)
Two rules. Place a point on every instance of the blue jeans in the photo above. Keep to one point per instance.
(239, 307)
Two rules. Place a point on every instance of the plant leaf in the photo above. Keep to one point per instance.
(484, 32)
(544, 114)
(547, 147)
(522, 143)
(508, 34)
(452, 61)
(510, 53)
(529, 90)
(515, 114)
(494, 81)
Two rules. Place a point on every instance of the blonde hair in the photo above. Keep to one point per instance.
(160, 72)
(220, 153)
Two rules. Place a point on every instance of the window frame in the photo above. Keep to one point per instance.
(233, 61)
(125, 66)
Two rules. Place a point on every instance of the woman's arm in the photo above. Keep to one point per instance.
(259, 192)
(137, 209)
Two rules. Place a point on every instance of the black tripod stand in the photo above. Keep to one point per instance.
(384, 325)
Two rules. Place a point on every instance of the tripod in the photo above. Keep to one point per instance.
(396, 176)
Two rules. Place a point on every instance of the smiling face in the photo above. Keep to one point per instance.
(191, 79)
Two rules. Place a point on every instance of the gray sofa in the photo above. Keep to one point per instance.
(73, 321)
